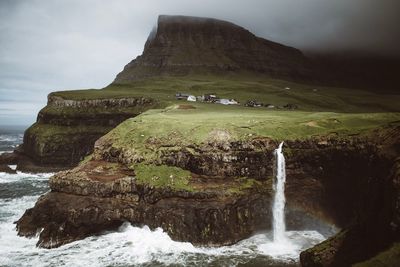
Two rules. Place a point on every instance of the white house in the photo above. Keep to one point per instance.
(224, 101)
(191, 98)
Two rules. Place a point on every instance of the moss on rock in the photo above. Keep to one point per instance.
(162, 176)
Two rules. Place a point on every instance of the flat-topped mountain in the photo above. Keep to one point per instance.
(182, 45)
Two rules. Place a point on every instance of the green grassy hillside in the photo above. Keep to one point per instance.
(321, 110)
(243, 88)
(175, 127)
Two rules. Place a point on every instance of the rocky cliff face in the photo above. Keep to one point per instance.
(182, 45)
(98, 196)
(370, 196)
(342, 181)
(66, 129)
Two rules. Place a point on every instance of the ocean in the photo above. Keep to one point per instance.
(129, 245)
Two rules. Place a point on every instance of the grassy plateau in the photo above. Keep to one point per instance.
(243, 88)
(172, 124)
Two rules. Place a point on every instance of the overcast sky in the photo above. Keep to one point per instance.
(51, 45)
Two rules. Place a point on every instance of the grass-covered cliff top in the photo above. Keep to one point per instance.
(243, 88)
(179, 125)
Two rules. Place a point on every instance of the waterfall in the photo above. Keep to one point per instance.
(284, 244)
(278, 208)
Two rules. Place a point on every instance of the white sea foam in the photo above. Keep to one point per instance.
(130, 245)
(13, 167)
(11, 178)
(140, 246)
(296, 241)
(11, 137)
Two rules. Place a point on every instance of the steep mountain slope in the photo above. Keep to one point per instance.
(182, 45)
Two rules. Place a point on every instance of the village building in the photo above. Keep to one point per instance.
(253, 103)
(181, 96)
(210, 97)
(200, 98)
(191, 98)
(225, 101)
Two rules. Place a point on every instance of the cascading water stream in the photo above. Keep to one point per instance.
(278, 208)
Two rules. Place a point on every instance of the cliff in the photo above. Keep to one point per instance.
(208, 181)
(66, 129)
(181, 45)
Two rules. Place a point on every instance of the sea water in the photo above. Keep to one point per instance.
(128, 245)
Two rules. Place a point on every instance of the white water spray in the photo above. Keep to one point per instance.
(278, 208)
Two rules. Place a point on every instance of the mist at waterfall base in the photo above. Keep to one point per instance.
(128, 245)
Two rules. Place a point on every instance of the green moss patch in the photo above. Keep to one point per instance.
(242, 185)
(86, 159)
(162, 176)
(45, 132)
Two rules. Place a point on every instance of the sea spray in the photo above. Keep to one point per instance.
(278, 207)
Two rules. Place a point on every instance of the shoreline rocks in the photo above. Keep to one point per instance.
(349, 182)
(80, 205)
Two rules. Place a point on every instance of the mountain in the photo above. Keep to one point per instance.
(204, 172)
(182, 45)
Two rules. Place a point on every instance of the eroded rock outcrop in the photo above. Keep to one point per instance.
(66, 129)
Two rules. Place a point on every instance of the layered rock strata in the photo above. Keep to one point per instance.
(99, 196)
(66, 129)
(338, 180)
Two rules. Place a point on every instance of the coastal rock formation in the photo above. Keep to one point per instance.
(371, 198)
(8, 159)
(66, 129)
(216, 206)
(99, 195)
(6, 169)
(181, 45)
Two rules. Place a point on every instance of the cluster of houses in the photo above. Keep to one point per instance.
(210, 98)
(213, 98)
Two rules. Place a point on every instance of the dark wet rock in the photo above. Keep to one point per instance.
(9, 158)
(84, 203)
(369, 212)
(5, 168)
(26, 164)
